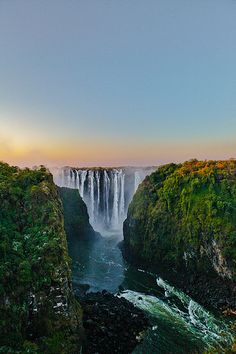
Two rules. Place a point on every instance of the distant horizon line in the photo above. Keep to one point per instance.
(100, 166)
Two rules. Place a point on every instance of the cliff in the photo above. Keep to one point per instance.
(107, 191)
(183, 218)
(38, 312)
(76, 216)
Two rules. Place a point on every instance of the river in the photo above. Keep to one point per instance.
(179, 324)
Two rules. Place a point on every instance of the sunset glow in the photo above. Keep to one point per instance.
(117, 84)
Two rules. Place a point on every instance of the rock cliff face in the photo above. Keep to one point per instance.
(183, 217)
(38, 311)
(76, 216)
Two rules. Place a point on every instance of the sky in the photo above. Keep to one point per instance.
(117, 82)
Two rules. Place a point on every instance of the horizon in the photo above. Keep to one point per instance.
(117, 84)
(84, 167)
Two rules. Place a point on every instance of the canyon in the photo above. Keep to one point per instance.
(73, 269)
(107, 192)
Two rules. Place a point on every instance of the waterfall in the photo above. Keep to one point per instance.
(83, 176)
(107, 192)
(91, 191)
(77, 180)
(98, 192)
(115, 212)
(122, 197)
(137, 179)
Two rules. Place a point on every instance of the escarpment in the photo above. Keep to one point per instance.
(38, 311)
(76, 218)
(183, 219)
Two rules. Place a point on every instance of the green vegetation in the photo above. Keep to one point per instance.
(185, 215)
(38, 313)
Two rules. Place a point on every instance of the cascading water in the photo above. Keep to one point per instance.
(107, 192)
(98, 191)
(115, 210)
(91, 192)
(106, 200)
(179, 324)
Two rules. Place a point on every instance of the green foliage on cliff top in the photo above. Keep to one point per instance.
(186, 213)
(38, 312)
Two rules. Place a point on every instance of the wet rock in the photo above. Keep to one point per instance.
(80, 289)
(121, 288)
(112, 324)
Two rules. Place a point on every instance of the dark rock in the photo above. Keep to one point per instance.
(76, 216)
(80, 289)
(112, 324)
(89, 322)
(121, 288)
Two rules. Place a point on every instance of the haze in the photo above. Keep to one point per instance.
(117, 82)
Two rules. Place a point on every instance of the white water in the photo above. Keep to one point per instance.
(107, 192)
(179, 325)
(98, 191)
(117, 191)
(184, 314)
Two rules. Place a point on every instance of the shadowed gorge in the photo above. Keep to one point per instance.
(39, 311)
(99, 265)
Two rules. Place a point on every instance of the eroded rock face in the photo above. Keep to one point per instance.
(220, 264)
(76, 218)
(184, 217)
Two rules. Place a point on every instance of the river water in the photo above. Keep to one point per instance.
(179, 324)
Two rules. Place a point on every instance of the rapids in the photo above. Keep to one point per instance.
(179, 324)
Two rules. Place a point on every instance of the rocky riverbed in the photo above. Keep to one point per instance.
(112, 324)
(208, 289)
(212, 292)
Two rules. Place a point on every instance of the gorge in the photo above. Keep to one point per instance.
(41, 224)
(101, 266)
(107, 192)
(183, 218)
(39, 310)
(117, 177)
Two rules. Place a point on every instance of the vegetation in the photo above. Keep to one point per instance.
(185, 215)
(38, 313)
